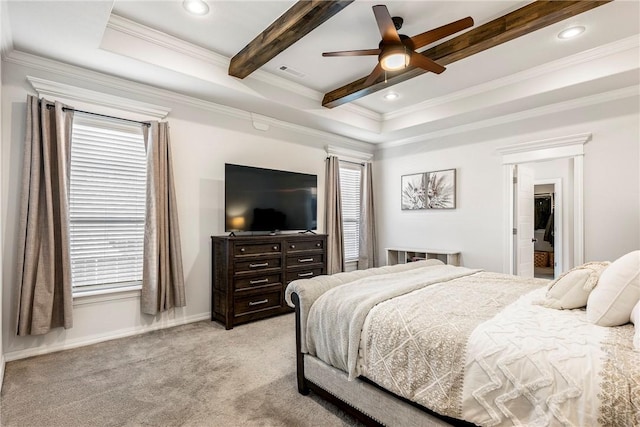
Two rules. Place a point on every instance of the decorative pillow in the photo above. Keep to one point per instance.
(618, 291)
(572, 288)
(635, 319)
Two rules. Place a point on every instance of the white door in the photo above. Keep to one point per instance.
(524, 218)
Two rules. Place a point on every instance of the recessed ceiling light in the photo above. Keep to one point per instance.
(197, 7)
(391, 96)
(571, 32)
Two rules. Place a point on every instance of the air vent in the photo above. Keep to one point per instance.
(289, 70)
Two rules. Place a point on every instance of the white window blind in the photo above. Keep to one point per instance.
(350, 195)
(107, 203)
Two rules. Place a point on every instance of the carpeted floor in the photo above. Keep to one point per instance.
(192, 375)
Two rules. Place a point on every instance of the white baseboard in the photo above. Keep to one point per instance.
(2, 363)
(93, 339)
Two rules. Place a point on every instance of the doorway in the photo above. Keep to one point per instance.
(517, 257)
(537, 206)
(547, 232)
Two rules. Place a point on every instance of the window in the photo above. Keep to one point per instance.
(350, 195)
(107, 203)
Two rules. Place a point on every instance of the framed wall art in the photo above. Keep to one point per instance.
(429, 190)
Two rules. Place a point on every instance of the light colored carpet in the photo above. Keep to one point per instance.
(192, 375)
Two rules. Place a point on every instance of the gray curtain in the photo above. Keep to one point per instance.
(162, 276)
(44, 268)
(368, 242)
(333, 217)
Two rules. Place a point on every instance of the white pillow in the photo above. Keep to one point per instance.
(618, 291)
(572, 288)
(635, 319)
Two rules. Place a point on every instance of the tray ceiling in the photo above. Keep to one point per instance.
(158, 43)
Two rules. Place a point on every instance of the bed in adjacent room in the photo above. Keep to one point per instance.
(426, 343)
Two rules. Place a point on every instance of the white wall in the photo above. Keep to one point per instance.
(612, 189)
(2, 362)
(202, 141)
(476, 226)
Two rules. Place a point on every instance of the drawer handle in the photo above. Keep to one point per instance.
(264, 301)
(255, 282)
(305, 260)
(241, 249)
(275, 248)
(305, 274)
(263, 264)
(292, 246)
(318, 245)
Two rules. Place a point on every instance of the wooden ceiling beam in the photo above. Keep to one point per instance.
(525, 20)
(294, 24)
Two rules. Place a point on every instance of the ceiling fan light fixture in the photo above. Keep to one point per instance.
(572, 32)
(196, 7)
(394, 59)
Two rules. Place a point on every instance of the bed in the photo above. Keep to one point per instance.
(429, 344)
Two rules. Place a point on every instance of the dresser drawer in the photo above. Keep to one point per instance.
(302, 260)
(257, 281)
(250, 273)
(257, 248)
(303, 274)
(305, 245)
(257, 264)
(264, 301)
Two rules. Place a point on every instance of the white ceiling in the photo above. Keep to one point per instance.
(159, 43)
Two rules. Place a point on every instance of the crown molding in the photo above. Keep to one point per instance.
(150, 35)
(543, 144)
(116, 83)
(586, 101)
(69, 93)
(6, 35)
(362, 111)
(166, 41)
(622, 45)
(347, 154)
(85, 75)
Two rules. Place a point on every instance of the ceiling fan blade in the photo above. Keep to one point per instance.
(431, 36)
(362, 52)
(377, 71)
(421, 61)
(385, 24)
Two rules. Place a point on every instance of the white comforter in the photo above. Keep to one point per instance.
(335, 340)
(472, 346)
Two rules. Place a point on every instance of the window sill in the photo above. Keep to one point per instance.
(351, 265)
(101, 295)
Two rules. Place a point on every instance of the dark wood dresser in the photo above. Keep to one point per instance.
(251, 273)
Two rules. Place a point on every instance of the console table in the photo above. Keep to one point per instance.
(251, 273)
(404, 255)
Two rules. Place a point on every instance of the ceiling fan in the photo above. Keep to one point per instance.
(397, 51)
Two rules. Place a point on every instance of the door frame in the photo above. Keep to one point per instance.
(571, 146)
(558, 222)
(523, 241)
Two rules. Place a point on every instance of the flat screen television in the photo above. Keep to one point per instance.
(268, 200)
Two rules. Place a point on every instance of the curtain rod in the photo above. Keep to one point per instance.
(347, 161)
(49, 106)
